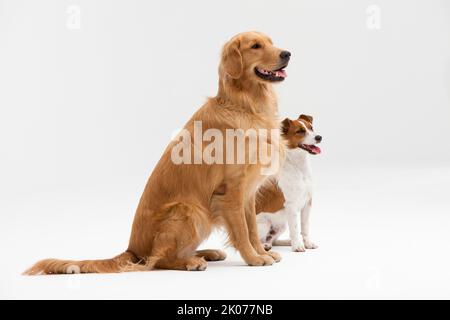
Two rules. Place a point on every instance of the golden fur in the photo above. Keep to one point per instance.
(182, 203)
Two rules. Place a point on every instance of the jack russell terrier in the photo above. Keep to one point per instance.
(288, 197)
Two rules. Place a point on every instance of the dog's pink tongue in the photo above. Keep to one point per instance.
(280, 73)
(316, 149)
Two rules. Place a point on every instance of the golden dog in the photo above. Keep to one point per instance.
(182, 203)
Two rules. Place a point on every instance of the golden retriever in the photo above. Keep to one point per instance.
(182, 203)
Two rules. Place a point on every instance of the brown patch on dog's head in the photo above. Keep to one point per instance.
(294, 131)
(299, 133)
(308, 120)
(252, 55)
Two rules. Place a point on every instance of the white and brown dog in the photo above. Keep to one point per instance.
(287, 199)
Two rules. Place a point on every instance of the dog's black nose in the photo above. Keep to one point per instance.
(285, 55)
(318, 138)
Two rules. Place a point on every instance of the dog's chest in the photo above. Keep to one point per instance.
(267, 151)
(295, 179)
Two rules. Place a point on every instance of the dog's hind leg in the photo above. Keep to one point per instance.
(264, 226)
(212, 255)
(189, 264)
(181, 230)
(282, 242)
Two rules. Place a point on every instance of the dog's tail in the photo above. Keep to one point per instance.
(126, 261)
(281, 243)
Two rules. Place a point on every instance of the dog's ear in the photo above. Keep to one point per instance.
(306, 118)
(285, 125)
(232, 63)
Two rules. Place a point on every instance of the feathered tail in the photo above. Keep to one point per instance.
(126, 261)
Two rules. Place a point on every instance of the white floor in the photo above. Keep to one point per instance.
(383, 233)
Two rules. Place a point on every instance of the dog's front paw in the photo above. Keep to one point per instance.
(261, 260)
(298, 247)
(309, 244)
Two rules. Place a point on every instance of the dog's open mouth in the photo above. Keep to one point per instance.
(268, 75)
(312, 149)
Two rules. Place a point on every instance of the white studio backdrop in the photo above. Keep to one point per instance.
(92, 91)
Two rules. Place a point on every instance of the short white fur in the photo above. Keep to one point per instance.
(295, 182)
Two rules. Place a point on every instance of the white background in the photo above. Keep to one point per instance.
(86, 112)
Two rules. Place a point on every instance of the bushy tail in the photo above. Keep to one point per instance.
(126, 261)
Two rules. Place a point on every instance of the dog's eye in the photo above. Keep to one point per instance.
(256, 46)
(301, 131)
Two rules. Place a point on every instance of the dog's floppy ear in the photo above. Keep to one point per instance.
(285, 125)
(232, 59)
(306, 118)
